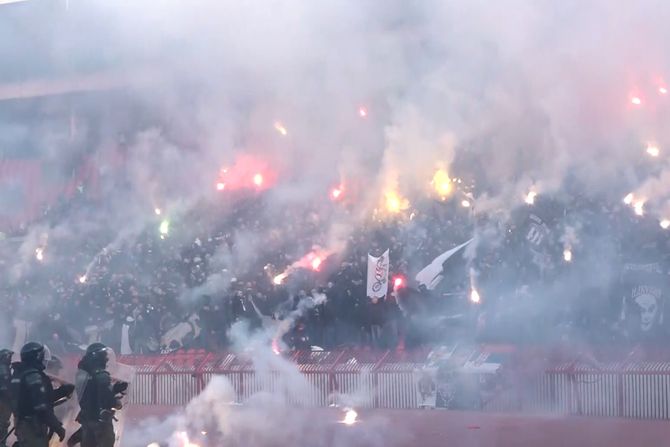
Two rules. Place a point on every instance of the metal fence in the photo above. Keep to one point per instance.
(390, 380)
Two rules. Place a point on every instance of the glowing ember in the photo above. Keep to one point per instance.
(638, 208)
(279, 127)
(628, 199)
(258, 180)
(663, 90)
(567, 255)
(362, 112)
(157, 211)
(220, 186)
(154, 444)
(442, 183)
(350, 417)
(530, 197)
(316, 263)
(653, 150)
(636, 101)
(275, 346)
(395, 203)
(465, 204)
(474, 296)
(398, 282)
(665, 224)
(39, 254)
(82, 279)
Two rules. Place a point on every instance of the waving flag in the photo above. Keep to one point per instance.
(431, 275)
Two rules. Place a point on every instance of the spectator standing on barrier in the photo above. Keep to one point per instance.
(98, 398)
(35, 398)
(5, 398)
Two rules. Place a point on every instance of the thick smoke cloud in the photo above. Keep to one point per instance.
(280, 407)
(511, 97)
(540, 91)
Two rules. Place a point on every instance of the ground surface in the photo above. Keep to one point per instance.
(463, 429)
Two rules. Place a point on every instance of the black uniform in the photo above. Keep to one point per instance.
(97, 398)
(5, 397)
(34, 399)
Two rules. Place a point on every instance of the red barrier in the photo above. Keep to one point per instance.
(638, 389)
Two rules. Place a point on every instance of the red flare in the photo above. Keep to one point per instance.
(336, 193)
(258, 180)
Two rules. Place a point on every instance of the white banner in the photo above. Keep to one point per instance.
(378, 275)
(432, 274)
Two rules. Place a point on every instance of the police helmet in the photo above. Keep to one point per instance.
(35, 354)
(97, 354)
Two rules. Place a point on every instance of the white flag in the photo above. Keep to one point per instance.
(431, 275)
(378, 275)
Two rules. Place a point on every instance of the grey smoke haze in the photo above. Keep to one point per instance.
(280, 406)
(518, 95)
(538, 90)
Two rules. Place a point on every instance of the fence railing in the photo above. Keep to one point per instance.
(639, 389)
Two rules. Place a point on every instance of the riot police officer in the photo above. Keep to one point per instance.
(34, 398)
(5, 397)
(98, 398)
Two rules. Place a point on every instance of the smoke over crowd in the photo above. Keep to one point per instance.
(171, 169)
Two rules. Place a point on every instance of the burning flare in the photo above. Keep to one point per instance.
(258, 180)
(164, 228)
(220, 186)
(628, 199)
(350, 416)
(530, 197)
(474, 296)
(665, 224)
(638, 208)
(279, 127)
(185, 442)
(82, 279)
(653, 150)
(39, 254)
(395, 203)
(275, 346)
(635, 100)
(442, 183)
(336, 193)
(363, 112)
(279, 279)
(567, 255)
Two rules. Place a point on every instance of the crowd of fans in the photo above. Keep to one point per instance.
(158, 292)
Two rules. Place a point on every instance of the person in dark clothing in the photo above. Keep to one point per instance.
(5, 398)
(98, 399)
(34, 398)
